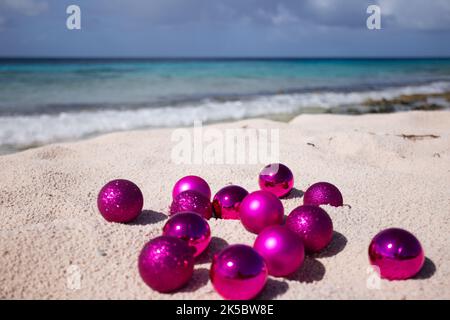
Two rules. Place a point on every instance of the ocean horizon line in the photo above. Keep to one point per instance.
(221, 58)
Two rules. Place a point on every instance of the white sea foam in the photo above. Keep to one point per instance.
(23, 131)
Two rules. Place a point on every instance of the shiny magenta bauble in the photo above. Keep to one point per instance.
(166, 263)
(276, 178)
(282, 250)
(396, 254)
(259, 210)
(190, 227)
(227, 200)
(313, 225)
(120, 201)
(194, 183)
(238, 272)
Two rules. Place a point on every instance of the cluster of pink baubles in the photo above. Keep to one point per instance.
(166, 263)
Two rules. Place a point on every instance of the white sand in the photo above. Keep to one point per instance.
(50, 229)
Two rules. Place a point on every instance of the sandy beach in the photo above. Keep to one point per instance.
(393, 171)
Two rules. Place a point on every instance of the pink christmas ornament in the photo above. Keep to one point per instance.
(194, 183)
(120, 201)
(313, 225)
(259, 210)
(190, 227)
(166, 263)
(227, 201)
(276, 178)
(282, 250)
(238, 272)
(323, 193)
(193, 201)
(396, 254)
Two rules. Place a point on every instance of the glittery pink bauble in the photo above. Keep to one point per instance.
(259, 210)
(276, 178)
(190, 227)
(194, 183)
(396, 253)
(227, 201)
(238, 272)
(191, 201)
(323, 193)
(120, 201)
(313, 225)
(166, 263)
(282, 250)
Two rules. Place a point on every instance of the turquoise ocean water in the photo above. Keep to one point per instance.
(47, 100)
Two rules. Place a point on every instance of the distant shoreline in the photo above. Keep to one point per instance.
(46, 101)
(376, 107)
(401, 103)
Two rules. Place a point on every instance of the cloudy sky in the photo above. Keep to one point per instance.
(200, 28)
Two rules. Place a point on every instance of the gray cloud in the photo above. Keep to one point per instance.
(408, 14)
(25, 7)
(417, 15)
(224, 27)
